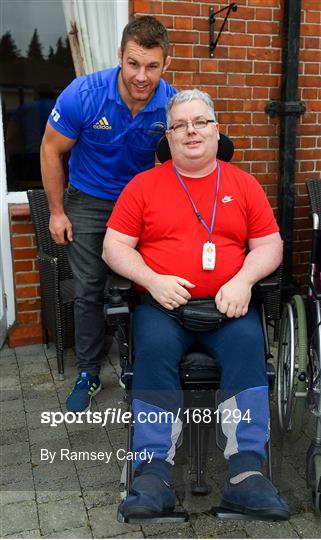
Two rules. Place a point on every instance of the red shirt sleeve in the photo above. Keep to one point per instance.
(127, 215)
(261, 220)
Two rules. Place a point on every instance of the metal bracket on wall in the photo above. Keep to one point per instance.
(285, 108)
(229, 8)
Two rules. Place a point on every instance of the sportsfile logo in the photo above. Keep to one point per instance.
(102, 124)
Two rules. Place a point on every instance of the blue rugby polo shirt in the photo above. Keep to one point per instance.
(111, 146)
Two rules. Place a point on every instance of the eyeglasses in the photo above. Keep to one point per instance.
(199, 123)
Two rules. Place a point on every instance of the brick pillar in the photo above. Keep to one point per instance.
(27, 328)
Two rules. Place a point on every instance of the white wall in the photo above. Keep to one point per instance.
(6, 271)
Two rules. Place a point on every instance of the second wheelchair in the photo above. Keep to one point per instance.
(299, 359)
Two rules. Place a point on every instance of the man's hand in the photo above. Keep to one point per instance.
(233, 297)
(60, 228)
(170, 291)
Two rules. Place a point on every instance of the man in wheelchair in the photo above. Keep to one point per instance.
(196, 227)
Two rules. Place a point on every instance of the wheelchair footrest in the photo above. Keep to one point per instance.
(173, 517)
(224, 513)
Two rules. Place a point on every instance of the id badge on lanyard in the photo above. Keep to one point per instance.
(208, 256)
(209, 249)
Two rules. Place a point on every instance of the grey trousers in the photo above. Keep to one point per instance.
(88, 216)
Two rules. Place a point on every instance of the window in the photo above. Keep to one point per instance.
(35, 65)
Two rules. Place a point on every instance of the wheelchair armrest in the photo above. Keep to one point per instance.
(123, 285)
(116, 309)
(269, 283)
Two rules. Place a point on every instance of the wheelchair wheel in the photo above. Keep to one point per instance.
(314, 366)
(292, 364)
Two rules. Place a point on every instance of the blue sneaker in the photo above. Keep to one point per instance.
(255, 496)
(85, 388)
(151, 493)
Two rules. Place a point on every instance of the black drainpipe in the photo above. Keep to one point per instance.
(289, 109)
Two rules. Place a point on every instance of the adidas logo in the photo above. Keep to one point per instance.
(102, 124)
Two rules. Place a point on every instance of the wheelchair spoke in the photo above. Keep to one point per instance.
(292, 366)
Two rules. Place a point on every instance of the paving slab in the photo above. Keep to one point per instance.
(9, 497)
(10, 394)
(45, 434)
(35, 369)
(6, 351)
(35, 533)
(55, 494)
(98, 477)
(173, 533)
(49, 472)
(130, 535)
(39, 391)
(10, 436)
(170, 530)
(94, 498)
(12, 420)
(29, 350)
(10, 382)
(80, 532)
(62, 515)
(17, 477)
(19, 517)
(206, 526)
(14, 454)
(96, 435)
(14, 405)
(8, 369)
(104, 524)
(42, 451)
(265, 529)
(307, 525)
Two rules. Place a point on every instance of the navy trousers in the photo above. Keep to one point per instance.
(238, 348)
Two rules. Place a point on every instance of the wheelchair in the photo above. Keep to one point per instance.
(299, 356)
(199, 375)
(200, 380)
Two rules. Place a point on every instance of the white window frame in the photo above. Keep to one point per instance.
(20, 197)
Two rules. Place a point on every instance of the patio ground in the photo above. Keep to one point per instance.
(79, 499)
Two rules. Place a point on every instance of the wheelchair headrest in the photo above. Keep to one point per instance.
(225, 149)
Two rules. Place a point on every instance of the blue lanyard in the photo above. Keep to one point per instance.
(198, 215)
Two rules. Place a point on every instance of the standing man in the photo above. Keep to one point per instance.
(111, 121)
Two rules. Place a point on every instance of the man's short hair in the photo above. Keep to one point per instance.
(147, 32)
(185, 96)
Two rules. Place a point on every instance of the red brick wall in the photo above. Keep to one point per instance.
(243, 76)
(27, 329)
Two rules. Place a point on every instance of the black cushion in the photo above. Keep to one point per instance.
(225, 149)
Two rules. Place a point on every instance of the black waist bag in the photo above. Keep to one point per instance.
(199, 314)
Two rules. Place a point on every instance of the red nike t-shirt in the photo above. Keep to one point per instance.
(155, 208)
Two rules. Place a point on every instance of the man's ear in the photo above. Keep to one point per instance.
(120, 56)
(166, 63)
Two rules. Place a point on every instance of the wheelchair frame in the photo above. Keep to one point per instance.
(197, 376)
(299, 356)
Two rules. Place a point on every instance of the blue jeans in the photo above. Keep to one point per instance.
(88, 216)
(238, 348)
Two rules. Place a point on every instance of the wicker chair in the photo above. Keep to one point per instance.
(56, 281)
